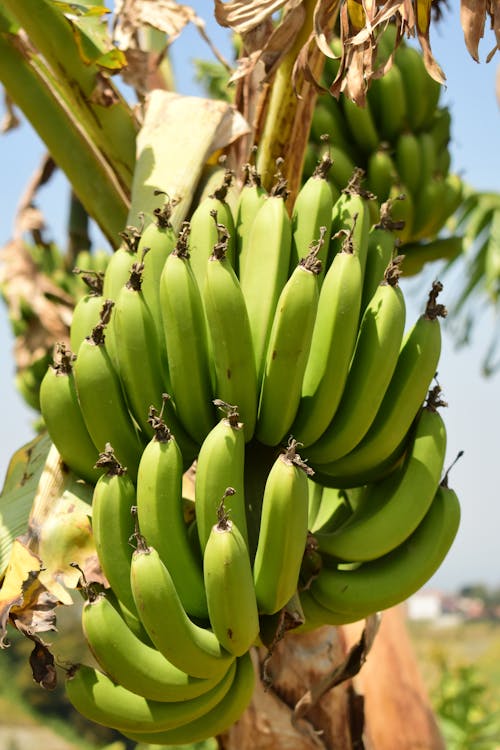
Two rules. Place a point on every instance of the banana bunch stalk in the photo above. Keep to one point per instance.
(291, 338)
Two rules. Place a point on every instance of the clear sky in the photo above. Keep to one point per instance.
(473, 415)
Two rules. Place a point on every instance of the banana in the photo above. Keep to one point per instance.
(402, 211)
(407, 160)
(332, 345)
(113, 525)
(250, 199)
(387, 100)
(312, 211)
(351, 216)
(373, 363)
(380, 174)
(63, 417)
(333, 511)
(220, 464)
(415, 369)
(429, 202)
(397, 505)
(266, 270)
(361, 125)
(118, 268)
(391, 579)
(131, 663)
(343, 166)
(186, 341)
(316, 616)
(288, 350)
(428, 161)
(88, 308)
(230, 336)
(101, 700)
(414, 74)
(283, 531)
(158, 238)
(315, 491)
(381, 250)
(101, 397)
(440, 129)
(204, 233)
(328, 120)
(140, 368)
(232, 606)
(432, 95)
(218, 719)
(194, 649)
(161, 516)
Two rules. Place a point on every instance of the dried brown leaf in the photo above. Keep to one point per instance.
(473, 18)
(244, 15)
(42, 665)
(165, 15)
(24, 601)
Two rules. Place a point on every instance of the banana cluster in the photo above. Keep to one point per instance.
(400, 139)
(292, 327)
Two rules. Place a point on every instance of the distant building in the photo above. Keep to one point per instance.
(426, 604)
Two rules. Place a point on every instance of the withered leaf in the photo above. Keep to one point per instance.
(165, 15)
(472, 19)
(243, 15)
(42, 665)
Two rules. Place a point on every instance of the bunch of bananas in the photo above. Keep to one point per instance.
(291, 326)
(400, 139)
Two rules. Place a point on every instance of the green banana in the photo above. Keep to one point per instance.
(416, 366)
(333, 511)
(158, 238)
(361, 125)
(315, 491)
(381, 250)
(312, 211)
(380, 174)
(428, 218)
(387, 100)
(250, 199)
(288, 350)
(113, 525)
(232, 606)
(220, 464)
(343, 167)
(194, 649)
(266, 270)
(332, 345)
(131, 663)
(186, 341)
(390, 579)
(414, 74)
(396, 505)
(230, 336)
(428, 160)
(140, 368)
(87, 310)
(63, 417)
(440, 129)
(351, 217)
(407, 159)
(101, 397)
(402, 211)
(218, 719)
(204, 233)
(99, 699)
(316, 616)
(118, 268)
(373, 363)
(283, 531)
(161, 516)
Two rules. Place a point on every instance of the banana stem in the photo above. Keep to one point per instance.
(288, 119)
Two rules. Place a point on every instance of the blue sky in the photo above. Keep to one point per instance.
(473, 414)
